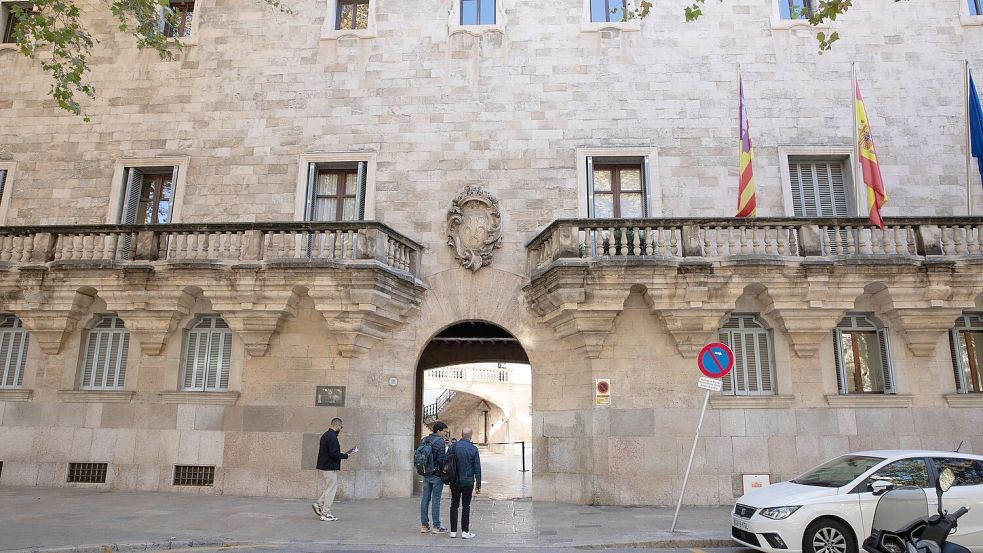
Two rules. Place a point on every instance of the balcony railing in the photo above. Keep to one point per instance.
(471, 374)
(714, 239)
(232, 243)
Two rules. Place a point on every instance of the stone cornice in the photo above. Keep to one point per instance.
(16, 394)
(861, 401)
(95, 396)
(751, 402)
(964, 400)
(200, 398)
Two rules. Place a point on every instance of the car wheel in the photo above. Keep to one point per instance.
(828, 536)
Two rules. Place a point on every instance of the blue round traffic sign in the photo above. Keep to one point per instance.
(715, 360)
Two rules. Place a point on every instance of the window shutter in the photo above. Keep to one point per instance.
(750, 363)
(882, 335)
(9, 375)
(131, 200)
(190, 361)
(645, 187)
(728, 379)
(87, 360)
(590, 186)
(803, 189)
(818, 189)
(121, 363)
(213, 361)
(955, 348)
(311, 187)
(223, 381)
(739, 372)
(360, 198)
(764, 363)
(3, 180)
(102, 359)
(838, 358)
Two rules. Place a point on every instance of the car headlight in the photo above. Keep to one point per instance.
(779, 513)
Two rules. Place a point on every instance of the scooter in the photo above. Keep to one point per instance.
(902, 523)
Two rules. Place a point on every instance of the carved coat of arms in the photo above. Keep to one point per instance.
(474, 227)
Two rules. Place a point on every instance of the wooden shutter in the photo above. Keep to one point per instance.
(131, 199)
(818, 189)
(3, 180)
(191, 360)
(838, 358)
(9, 375)
(764, 363)
(645, 188)
(728, 379)
(884, 340)
(360, 195)
(955, 348)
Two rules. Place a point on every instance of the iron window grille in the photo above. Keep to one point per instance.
(104, 362)
(207, 356)
(87, 473)
(13, 352)
(863, 356)
(750, 340)
(194, 475)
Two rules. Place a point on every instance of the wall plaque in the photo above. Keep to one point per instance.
(330, 396)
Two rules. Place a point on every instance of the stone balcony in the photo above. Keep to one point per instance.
(921, 273)
(361, 276)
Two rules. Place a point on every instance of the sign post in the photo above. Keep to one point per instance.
(715, 361)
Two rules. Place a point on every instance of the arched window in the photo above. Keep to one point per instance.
(753, 374)
(966, 343)
(104, 362)
(13, 352)
(208, 350)
(863, 356)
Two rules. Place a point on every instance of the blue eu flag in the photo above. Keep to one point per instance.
(975, 124)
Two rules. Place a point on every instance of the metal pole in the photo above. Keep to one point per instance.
(969, 147)
(523, 457)
(859, 188)
(689, 465)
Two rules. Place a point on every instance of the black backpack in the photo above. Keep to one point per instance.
(448, 472)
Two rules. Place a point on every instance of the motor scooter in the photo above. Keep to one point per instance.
(902, 523)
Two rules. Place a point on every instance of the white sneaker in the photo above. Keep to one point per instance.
(453, 534)
(467, 535)
(328, 517)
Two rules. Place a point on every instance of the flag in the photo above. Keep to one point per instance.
(975, 124)
(876, 197)
(746, 204)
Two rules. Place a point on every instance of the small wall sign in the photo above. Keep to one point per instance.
(330, 396)
(602, 391)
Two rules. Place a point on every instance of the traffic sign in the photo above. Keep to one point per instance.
(715, 360)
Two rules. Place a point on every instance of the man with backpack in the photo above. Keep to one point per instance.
(428, 459)
(465, 478)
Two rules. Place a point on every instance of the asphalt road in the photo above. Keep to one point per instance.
(454, 545)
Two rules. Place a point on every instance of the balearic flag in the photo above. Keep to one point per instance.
(876, 196)
(746, 203)
(975, 124)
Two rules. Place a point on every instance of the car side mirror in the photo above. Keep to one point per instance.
(881, 487)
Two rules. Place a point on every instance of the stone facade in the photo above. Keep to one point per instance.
(511, 108)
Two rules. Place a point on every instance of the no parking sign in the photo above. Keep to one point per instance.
(715, 360)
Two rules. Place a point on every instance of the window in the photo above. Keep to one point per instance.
(795, 9)
(968, 472)
(966, 346)
(904, 473)
(751, 342)
(336, 191)
(149, 196)
(819, 187)
(208, 351)
(616, 187)
(183, 15)
(477, 12)
(863, 357)
(87, 473)
(352, 15)
(975, 7)
(9, 19)
(13, 352)
(104, 362)
(3, 180)
(607, 11)
(194, 475)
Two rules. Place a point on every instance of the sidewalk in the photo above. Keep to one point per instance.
(67, 519)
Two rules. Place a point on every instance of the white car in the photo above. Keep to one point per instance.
(830, 508)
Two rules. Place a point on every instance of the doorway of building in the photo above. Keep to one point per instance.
(476, 375)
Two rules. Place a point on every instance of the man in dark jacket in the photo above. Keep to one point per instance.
(329, 458)
(468, 480)
(433, 486)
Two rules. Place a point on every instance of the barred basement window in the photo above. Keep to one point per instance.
(104, 363)
(753, 374)
(194, 475)
(13, 352)
(87, 473)
(207, 355)
(863, 356)
(966, 347)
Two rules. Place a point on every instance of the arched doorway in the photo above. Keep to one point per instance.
(481, 365)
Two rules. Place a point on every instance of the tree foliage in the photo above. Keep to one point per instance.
(52, 32)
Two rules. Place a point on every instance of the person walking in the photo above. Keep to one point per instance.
(433, 486)
(329, 457)
(468, 481)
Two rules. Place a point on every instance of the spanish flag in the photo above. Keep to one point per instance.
(876, 196)
(746, 204)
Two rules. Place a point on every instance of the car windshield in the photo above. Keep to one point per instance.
(839, 472)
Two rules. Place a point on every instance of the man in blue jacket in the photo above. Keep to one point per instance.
(468, 480)
(329, 458)
(433, 486)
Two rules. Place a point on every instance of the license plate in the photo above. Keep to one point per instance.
(742, 524)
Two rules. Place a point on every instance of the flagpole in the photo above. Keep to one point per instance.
(858, 184)
(969, 147)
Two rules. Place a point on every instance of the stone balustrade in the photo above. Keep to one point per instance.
(232, 243)
(470, 374)
(715, 239)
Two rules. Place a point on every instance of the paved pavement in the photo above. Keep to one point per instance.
(70, 519)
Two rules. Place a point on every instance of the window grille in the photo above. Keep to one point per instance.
(863, 356)
(194, 475)
(966, 348)
(13, 352)
(104, 362)
(87, 473)
(207, 355)
(753, 373)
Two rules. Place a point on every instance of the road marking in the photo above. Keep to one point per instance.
(697, 550)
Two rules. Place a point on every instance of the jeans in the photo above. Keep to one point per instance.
(461, 496)
(433, 486)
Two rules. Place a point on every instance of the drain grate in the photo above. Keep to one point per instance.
(194, 475)
(87, 473)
